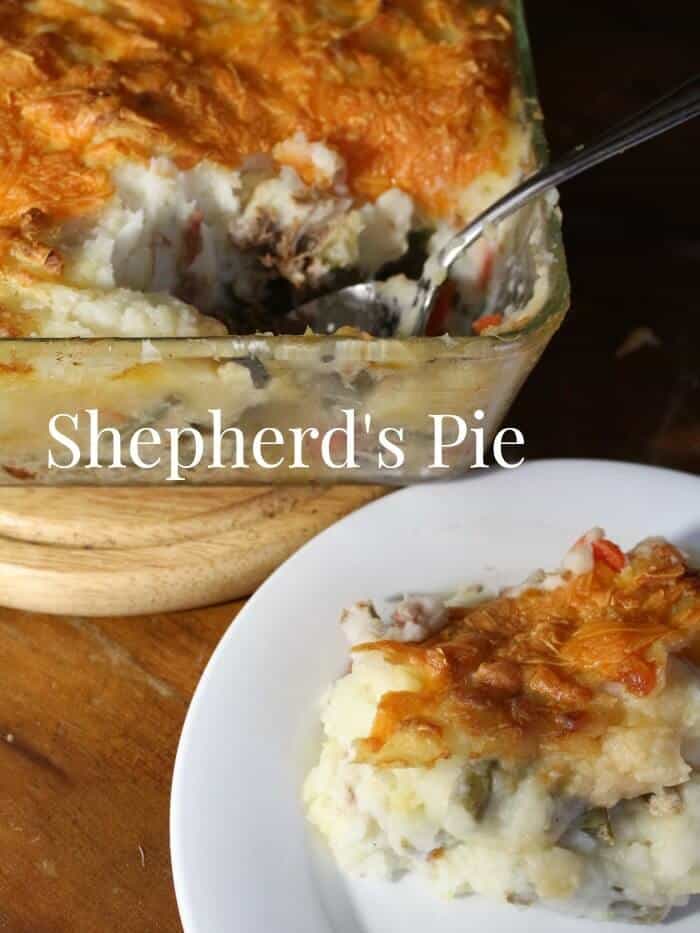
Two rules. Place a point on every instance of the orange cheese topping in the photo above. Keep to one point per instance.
(412, 93)
(516, 676)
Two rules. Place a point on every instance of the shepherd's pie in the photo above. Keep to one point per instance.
(538, 746)
(182, 168)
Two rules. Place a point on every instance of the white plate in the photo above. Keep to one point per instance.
(244, 860)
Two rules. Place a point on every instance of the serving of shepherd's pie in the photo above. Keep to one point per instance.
(538, 746)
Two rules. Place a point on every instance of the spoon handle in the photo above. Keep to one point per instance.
(665, 113)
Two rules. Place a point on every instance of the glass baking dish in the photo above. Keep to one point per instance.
(293, 409)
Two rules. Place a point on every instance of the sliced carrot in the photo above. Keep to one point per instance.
(488, 320)
(609, 553)
(437, 325)
(486, 269)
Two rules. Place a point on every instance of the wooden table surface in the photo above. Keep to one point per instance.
(632, 236)
(91, 710)
(90, 715)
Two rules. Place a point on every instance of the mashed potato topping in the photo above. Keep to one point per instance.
(539, 746)
(241, 157)
(414, 94)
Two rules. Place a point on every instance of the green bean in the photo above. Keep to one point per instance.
(477, 791)
(596, 823)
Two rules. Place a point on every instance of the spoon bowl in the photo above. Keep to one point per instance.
(402, 307)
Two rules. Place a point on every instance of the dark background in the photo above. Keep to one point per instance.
(632, 237)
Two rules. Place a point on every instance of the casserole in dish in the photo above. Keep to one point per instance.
(192, 170)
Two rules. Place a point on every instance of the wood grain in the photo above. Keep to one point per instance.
(632, 238)
(125, 517)
(90, 717)
(130, 551)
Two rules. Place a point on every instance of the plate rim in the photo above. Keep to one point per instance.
(178, 778)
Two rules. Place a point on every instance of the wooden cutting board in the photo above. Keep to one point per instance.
(106, 552)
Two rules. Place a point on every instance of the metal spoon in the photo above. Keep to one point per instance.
(373, 306)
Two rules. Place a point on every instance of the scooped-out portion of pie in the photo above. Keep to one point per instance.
(188, 168)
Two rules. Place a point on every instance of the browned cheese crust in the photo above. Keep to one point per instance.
(546, 671)
(413, 94)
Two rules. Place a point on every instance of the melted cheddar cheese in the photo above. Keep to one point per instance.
(413, 94)
(544, 671)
